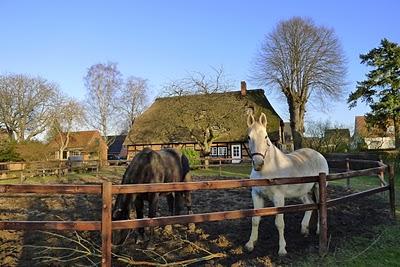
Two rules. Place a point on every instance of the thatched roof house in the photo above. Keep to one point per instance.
(174, 121)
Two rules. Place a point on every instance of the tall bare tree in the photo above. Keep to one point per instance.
(69, 116)
(132, 100)
(102, 82)
(26, 105)
(301, 60)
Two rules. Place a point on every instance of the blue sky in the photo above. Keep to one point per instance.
(163, 40)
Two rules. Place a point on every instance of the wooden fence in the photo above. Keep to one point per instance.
(107, 190)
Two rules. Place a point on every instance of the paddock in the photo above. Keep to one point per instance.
(217, 229)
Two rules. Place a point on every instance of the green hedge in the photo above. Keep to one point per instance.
(192, 155)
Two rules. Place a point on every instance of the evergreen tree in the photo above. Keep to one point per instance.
(381, 89)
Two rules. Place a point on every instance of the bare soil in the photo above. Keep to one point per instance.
(228, 237)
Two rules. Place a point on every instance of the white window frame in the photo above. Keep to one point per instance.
(222, 151)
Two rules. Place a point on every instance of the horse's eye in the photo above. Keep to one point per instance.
(266, 136)
(248, 137)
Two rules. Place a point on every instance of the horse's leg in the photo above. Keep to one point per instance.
(153, 207)
(121, 211)
(139, 205)
(307, 215)
(258, 202)
(171, 203)
(316, 195)
(279, 201)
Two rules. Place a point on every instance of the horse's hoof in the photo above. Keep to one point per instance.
(282, 252)
(305, 232)
(192, 227)
(249, 246)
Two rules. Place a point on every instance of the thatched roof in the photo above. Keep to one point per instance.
(169, 119)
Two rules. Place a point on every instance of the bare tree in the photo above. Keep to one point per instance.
(301, 60)
(199, 83)
(68, 117)
(205, 120)
(26, 105)
(132, 100)
(102, 83)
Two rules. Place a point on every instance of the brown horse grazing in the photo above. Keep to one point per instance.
(149, 166)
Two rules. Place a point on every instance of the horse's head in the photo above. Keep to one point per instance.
(259, 143)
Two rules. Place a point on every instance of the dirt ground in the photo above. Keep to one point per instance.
(23, 248)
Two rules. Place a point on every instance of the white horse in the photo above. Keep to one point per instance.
(269, 162)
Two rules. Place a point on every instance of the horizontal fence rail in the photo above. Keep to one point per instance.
(106, 190)
(209, 185)
(211, 217)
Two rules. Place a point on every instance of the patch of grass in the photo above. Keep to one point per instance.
(381, 250)
(240, 170)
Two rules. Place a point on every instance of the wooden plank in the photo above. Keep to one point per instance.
(339, 200)
(51, 189)
(347, 170)
(210, 217)
(323, 215)
(208, 185)
(51, 225)
(366, 172)
(392, 191)
(106, 227)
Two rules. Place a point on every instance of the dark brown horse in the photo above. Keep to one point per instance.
(149, 166)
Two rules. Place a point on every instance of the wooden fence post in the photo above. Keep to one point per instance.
(392, 191)
(106, 226)
(220, 168)
(347, 170)
(323, 215)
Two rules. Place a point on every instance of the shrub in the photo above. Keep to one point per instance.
(192, 155)
(8, 151)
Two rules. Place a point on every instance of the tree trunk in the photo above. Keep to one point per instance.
(297, 112)
(396, 122)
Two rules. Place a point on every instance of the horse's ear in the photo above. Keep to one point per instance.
(263, 120)
(250, 120)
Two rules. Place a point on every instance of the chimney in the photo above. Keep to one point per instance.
(243, 88)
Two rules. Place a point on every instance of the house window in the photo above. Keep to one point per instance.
(214, 151)
(75, 153)
(222, 151)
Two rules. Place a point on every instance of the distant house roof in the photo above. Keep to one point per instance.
(164, 120)
(115, 143)
(362, 129)
(79, 140)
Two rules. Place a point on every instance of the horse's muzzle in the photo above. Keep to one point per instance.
(258, 163)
